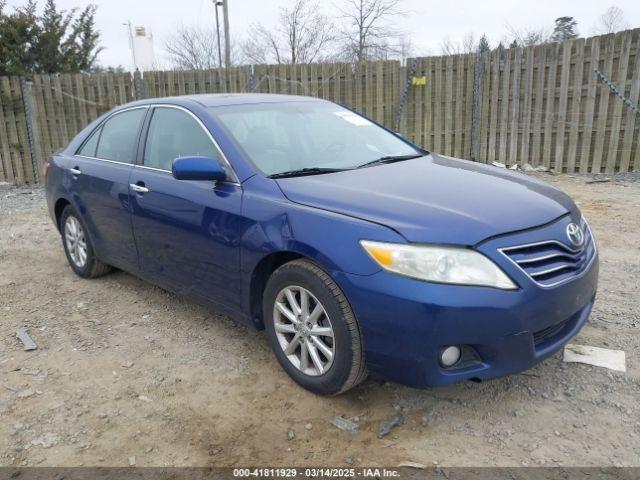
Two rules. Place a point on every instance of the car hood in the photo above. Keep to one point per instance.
(434, 199)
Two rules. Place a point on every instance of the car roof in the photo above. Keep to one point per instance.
(224, 99)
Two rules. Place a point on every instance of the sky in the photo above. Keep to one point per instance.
(427, 22)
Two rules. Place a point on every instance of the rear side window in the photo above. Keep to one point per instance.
(89, 147)
(119, 134)
(173, 134)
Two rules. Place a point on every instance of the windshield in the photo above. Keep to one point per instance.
(285, 137)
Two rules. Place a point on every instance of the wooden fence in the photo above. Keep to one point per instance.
(542, 105)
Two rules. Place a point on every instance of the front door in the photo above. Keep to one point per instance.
(187, 232)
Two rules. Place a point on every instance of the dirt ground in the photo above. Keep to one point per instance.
(127, 373)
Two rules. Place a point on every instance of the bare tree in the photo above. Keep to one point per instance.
(262, 46)
(369, 30)
(611, 21)
(528, 36)
(405, 48)
(303, 35)
(194, 48)
(468, 44)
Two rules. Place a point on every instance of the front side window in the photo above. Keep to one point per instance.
(174, 133)
(281, 137)
(119, 135)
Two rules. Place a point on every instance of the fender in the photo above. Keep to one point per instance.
(302, 230)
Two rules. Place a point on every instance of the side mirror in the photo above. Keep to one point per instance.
(197, 168)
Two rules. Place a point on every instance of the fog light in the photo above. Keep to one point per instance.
(450, 356)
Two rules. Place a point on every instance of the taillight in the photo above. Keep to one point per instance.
(47, 167)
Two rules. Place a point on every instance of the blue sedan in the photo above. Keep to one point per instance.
(358, 252)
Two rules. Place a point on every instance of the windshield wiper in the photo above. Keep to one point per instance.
(390, 159)
(301, 172)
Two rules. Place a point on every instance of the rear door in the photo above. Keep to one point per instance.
(99, 175)
(187, 232)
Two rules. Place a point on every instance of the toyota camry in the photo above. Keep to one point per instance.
(358, 252)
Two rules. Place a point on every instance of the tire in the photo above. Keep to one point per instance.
(346, 367)
(86, 265)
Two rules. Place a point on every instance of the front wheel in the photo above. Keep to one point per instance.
(312, 329)
(77, 246)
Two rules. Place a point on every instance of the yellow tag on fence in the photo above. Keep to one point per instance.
(419, 80)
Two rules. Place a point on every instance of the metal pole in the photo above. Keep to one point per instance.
(133, 51)
(227, 42)
(215, 6)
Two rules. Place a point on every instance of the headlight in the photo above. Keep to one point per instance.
(438, 264)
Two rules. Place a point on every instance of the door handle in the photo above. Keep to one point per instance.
(138, 188)
(75, 171)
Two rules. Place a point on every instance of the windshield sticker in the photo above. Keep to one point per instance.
(354, 119)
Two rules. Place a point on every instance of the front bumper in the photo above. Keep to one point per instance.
(405, 323)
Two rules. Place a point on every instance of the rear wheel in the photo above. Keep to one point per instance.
(77, 246)
(312, 329)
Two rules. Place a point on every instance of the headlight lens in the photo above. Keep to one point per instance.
(441, 264)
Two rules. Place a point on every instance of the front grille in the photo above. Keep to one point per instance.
(547, 333)
(552, 262)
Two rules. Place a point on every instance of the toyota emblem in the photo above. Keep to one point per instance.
(575, 234)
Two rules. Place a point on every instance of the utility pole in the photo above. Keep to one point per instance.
(133, 50)
(217, 3)
(227, 42)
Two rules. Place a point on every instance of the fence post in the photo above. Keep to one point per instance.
(250, 84)
(25, 91)
(403, 96)
(138, 85)
(477, 76)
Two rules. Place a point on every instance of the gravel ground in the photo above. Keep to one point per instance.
(126, 373)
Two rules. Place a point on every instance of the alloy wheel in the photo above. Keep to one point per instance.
(76, 241)
(304, 330)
